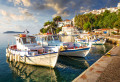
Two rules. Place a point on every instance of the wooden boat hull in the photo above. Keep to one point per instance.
(49, 59)
(75, 52)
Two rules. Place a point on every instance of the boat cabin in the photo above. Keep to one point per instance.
(25, 42)
(49, 40)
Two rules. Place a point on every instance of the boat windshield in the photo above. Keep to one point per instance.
(50, 38)
(55, 37)
(28, 40)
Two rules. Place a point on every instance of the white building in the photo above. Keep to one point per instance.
(60, 23)
(70, 30)
(64, 23)
(112, 9)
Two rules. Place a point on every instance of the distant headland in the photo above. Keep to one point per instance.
(26, 31)
(12, 32)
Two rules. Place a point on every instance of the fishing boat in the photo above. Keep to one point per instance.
(48, 40)
(94, 41)
(75, 49)
(64, 47)
(27, 50)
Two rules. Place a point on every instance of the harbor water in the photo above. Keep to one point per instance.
(66, 69)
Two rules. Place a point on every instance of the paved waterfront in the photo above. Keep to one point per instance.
(112, 72)
(106, 69)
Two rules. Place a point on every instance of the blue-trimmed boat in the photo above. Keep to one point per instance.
(96, 41)
(75, 49)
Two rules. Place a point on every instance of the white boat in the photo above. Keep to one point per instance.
(48, 40)
(28, 51)
(52, 40)
(95, 41)
(75, 49)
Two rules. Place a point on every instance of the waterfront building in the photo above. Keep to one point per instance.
(70, 30)
(112, 9)
(106, 31)
(64, 23)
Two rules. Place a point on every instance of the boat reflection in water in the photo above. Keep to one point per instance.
(72, 62)
(32, 73)
(67, 68)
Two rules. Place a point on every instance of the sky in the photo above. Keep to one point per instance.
(18, 15)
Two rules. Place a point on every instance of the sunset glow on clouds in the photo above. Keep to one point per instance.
(31, 14)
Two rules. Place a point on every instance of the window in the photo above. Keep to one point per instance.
(50, 38)
(55, 37)
(28, 40)
(33, 40)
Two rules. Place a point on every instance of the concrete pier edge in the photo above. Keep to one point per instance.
(84, 77)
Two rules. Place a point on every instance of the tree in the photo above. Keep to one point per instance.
(52, 27)
(43, 30)
(47, 23)
(87, 26)
(117, 25)
(57, 18)
(58, 30)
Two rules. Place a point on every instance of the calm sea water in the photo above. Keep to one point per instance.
(67, 68)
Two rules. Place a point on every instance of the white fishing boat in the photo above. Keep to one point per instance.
(64, 47)
(75, 49)
(28, 51)
(49, 40)
(94, 41)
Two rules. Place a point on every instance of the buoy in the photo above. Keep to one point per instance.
(108, 54)
(118, 45)
(11, 57)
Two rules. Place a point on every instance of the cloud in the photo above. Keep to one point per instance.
(63, 8)
(26, 3)
(59, 6)
(84, 9)
(21, 17)
(25, 12)
(4, 13)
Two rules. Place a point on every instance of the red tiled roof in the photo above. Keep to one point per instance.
(67, 25)
(104, 29)
(67, 20)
